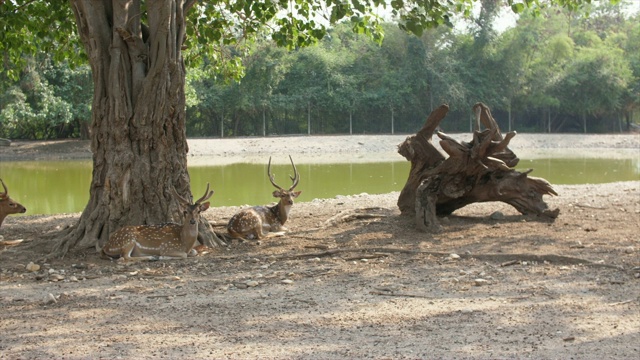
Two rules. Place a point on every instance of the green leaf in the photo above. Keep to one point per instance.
(517, 8)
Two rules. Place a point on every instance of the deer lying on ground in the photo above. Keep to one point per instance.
(260, 222)
(159, 242)
(7, 205)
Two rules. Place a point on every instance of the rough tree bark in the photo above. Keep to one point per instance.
(478, 171)
(138, 137)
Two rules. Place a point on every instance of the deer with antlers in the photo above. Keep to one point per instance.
(260, 222)
(7, 205)
(159, 242)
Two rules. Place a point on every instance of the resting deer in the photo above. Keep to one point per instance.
(159, 242)
(7, 205)
(259, 222)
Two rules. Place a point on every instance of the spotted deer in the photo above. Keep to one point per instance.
(260, 222)
(159, 242)
(7, 205)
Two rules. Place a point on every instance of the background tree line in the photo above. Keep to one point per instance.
(559, 71)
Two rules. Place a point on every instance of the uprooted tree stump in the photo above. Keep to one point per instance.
(478, 171)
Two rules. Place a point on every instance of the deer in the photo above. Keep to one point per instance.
(7, 205)
(159, 242)
(260, 222)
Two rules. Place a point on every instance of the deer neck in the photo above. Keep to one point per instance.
(280, 212)
(189, 234)
(2, 216)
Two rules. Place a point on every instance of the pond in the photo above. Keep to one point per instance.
(51, 187)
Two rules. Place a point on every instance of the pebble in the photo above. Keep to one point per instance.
(480, 282)
(56, 277)
(454, 256)
(497, 216)
(32, 267)
(50, 299)
(252, 283)
(629, 250)
(287, 281)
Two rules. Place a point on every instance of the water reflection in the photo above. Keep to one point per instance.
(50, 187)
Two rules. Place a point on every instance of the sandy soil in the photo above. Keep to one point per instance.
(352, 279)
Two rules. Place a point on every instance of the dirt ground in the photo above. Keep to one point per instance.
(352, 279)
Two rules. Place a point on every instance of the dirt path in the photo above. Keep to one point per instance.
(340, 286)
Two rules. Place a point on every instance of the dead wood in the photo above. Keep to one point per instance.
(477, 171)
(497, 258)
(356, 214)
(392, 293)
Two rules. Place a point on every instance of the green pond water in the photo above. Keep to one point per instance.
(51, 187)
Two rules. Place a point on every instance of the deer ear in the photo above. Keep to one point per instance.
(277, 193)
(204, 206)
(296, 193)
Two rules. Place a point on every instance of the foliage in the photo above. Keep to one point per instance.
(553, 70)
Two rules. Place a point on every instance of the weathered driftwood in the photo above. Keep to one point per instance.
(478, 171)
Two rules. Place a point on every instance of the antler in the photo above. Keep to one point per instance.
(295, 178)
(207, 194)
(6, 192)
(273, 181)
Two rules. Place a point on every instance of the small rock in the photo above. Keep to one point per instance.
(287, 281)
(629, 250)
(252, 283)
(32, 267)
(56, 277)
(73, 279)
(50, 299)
(466, 311)
(454, 256)
(497, 216)
(480, 282)
(241, 285)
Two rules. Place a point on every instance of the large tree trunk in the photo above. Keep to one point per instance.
(138, 137)
(478, 171)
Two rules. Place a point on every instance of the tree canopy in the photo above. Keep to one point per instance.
(532, 74)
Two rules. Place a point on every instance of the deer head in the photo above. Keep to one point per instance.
(286, 196)
(7, 205)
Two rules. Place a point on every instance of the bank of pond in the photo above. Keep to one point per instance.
(52, 187)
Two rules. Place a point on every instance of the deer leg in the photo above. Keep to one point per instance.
(130, 254)
(276, 234)
(173, 255)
